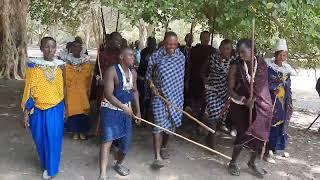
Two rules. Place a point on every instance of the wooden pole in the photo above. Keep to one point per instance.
(212, 33)
(103, 26)
(251, 70)
(185, 113)
(98, 38)
(118, 17)
(182, 137)
(191, 33)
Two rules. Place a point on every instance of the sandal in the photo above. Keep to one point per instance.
(157, 164)
(75, 137)
(285, 155)
(45, 175)
(102, 178)
(234, 169)
(269, 159)
(164, 153)
(121, 170)
(258, 172)
(82, 136)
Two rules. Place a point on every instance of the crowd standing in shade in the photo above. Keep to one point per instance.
(212, 81)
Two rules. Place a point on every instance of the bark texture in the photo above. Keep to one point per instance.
(13, 38)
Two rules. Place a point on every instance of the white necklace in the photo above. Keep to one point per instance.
(254, 70)
(49, 72)
(126, 85)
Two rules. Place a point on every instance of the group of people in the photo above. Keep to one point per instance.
(211, 81)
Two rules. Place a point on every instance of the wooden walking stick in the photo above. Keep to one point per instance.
(251, 70)
(182, 111)
(118, 17)
(98, 41)
(103, 26)
(182, 137)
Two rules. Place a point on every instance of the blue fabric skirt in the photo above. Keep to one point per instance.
(278, 140)
(47, 131)
(117, 127)
(78, 124)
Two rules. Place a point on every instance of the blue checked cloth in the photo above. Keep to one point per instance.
(167, 73)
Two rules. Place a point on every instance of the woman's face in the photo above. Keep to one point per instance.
(245, 53)
(76, 49)
(49, 49)
(282, 56)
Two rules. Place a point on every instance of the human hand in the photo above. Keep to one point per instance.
(225, 108)
(250, 102)
(26, 120)
(127, 110)
(99, 80)
(137, 121)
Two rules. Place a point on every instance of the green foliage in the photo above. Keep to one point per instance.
(298, 21)
(65, 12)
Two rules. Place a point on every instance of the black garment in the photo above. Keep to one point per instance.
(199, 55)
(318, 86)
(142, 85)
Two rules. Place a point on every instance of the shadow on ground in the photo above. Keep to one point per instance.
(188, 162)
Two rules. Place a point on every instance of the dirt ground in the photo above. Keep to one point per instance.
(18, 159)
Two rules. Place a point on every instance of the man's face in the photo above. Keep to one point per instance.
(205, 38)
(226, 50)
(189, 40)
(171, 44)
(49, 49)
(76, 49)
(115, 42)
(127, 57)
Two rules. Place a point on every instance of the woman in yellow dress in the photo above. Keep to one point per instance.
(43, 106)
(78, 78)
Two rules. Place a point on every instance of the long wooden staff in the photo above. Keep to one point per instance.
(182, 137)
(118, 17)
(191, 32)
(98, 41)
(212, 33)
(182, 111)
(103, 26)
(252, 67)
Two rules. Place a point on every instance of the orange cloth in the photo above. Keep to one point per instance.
(46, 94)
(78, 81)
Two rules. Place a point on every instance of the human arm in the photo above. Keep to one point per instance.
(150, 72)
(136, 96)
(204, 71)
(65, 92)
(232, 84)
(27, 103)
(109, 84)
(290, 106)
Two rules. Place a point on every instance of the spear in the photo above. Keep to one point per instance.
(252, 66)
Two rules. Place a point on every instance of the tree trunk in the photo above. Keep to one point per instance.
(142, 34)
(151, 30)
(13, 38)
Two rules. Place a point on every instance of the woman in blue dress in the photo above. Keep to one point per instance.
(279, 72)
